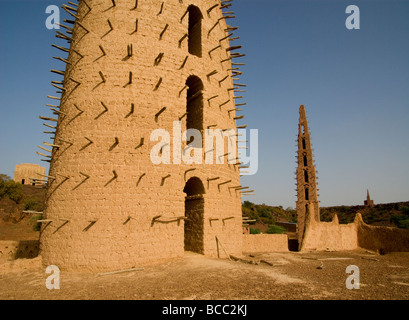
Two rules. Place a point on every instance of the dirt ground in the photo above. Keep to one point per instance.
(19, 231)
(270, 276)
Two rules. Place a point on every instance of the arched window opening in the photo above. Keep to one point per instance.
(194, 187)
(305, 160)
(303, 144)
(307, 197)
(195, 31)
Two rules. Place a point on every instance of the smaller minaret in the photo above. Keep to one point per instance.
(368, 202)
(306, 177)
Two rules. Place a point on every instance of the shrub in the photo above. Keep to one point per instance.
(37, 226)
(405, 210)
(274, 229)
(33, 203)
(254, 231)
(396, 218)
(404, 224)
(400, 220)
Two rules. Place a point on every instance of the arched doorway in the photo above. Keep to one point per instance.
(194, 209)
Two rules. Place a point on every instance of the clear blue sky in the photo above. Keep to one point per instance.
(354, 84)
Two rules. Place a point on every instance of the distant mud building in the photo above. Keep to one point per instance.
(368, 202)
(29, 174)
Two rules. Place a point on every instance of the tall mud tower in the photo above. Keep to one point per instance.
(307, 197)
(122, 190)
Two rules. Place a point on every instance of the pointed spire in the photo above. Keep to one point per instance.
(307, 195)
(303, 123)
(368, 201)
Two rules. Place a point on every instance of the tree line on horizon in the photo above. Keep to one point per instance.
(389, 214)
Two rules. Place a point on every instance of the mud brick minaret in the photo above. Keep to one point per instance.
(132, 67)
(368, 202)
(306, 177)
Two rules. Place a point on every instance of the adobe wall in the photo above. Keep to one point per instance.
(381, 239)
(334, 236)
(259, 243)
(106, 185)
(329, 235)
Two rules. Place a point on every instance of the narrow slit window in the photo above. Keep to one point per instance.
(194, 104)
(195, 31)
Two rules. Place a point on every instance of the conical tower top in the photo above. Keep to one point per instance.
(303, 123)
(302, 110)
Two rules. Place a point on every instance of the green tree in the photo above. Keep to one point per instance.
(4, 177)
(265, 214)
(10, 189)
(248, 204)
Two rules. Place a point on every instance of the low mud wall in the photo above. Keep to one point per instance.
(341, 237)
(381, 239)
(329, 236)
(11, 250)
(257, 243)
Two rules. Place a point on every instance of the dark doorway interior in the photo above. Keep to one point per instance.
(293, 244)
(194, 209)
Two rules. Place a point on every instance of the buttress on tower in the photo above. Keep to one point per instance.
(307, 197)
(134, 67)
